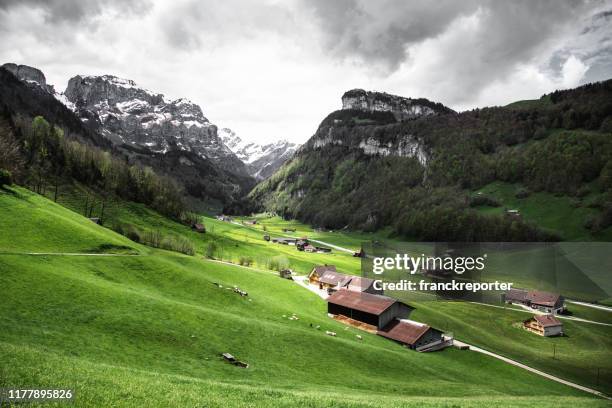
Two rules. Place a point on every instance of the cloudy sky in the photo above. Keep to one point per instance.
(272, 69)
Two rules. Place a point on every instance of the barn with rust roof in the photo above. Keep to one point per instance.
(374, 310)
(414, 335)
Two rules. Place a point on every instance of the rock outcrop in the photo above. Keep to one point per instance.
(135, 116)
(402, 108)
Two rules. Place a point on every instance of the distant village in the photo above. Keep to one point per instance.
(354, 301)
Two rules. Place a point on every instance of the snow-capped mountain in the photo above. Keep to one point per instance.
(261, 160)
(171, 136)
(131, 116)
(136, 116)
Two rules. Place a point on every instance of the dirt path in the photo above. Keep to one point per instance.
(531, 369)
(591, 305)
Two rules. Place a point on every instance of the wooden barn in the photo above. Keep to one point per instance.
(326, 277)
(414, 335)
(374, 310)
(544, 325)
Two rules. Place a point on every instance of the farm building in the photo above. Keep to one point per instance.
(544, 325)
(374, 310)
(417, 336)
(198, 227)
(326, 277)
(309, 248)
(536, 299)
(359, 284)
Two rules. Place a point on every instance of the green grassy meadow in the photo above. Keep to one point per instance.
(561, 214)
(140, 324)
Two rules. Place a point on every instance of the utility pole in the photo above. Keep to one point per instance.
(554, 351)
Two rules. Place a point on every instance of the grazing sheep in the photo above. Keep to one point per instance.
(330, 333)
(359, 337)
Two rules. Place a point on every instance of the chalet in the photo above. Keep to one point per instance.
(198, 227)
(376, 311)
(536, 299)
(309, 248)
(360, 284)
(326, 277)
(544, 325)
(414, 335)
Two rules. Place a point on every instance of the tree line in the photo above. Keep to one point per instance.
(37, 155)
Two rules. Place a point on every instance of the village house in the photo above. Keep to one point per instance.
(544, 325)
(375, 311)
(309, 248)
(326, 277)
(536, 299)
(414, 335)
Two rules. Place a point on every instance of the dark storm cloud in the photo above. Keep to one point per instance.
(77, 10)
(382, 31)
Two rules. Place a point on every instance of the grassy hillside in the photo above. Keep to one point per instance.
(577, 356)
(126, 329)
(415, 177)
(565, 215)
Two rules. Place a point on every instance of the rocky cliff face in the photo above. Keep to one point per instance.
(402, 108)
(261, 160)
(172, 137)
(354, 127)
(132, 115)
(30, 75)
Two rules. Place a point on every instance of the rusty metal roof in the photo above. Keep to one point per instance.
(543, 298)
(365, 302)
(403, 331)
(547, 320)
